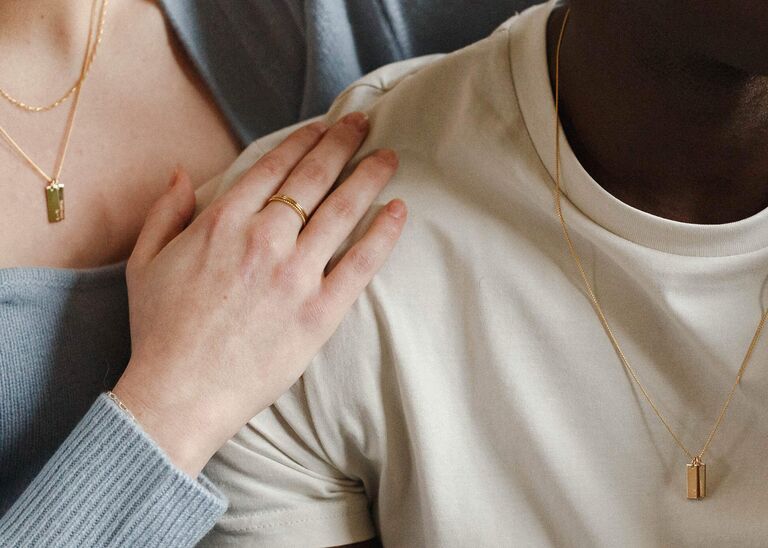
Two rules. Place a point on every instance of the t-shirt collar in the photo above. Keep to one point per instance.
(528, 51)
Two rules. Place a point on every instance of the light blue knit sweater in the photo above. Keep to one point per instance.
(74, 469)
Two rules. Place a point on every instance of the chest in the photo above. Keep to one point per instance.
(521, 426)
(142, 112)
(532, 445)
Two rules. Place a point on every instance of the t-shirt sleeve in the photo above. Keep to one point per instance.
(284, 489)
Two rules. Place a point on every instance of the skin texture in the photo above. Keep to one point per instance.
(665, 103)
(142, 112)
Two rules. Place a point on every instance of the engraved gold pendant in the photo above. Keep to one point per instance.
(697, 479)
(54, 197)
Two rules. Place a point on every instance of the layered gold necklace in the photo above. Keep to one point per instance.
(54, 189)
(695, 469)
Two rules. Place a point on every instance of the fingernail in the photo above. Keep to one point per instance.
(357, 119)
(174, 177)
(396, 208)
(388, 155)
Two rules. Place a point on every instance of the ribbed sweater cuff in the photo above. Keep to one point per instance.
(110, 484)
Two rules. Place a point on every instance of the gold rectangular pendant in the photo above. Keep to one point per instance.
(697, 480)
(54, 197)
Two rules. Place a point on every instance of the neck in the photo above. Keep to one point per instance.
(42, 41)
(661, 128)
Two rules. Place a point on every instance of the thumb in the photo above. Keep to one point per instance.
(166, 219)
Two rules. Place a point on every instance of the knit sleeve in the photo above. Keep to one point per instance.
(110, 484)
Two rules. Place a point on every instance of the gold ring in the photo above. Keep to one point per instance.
(287, 200)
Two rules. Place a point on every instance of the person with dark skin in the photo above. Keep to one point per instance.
(547, 358)
(666, 103)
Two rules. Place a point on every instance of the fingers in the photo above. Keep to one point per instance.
(340, 212)
(257, 184)
(357, 267)
(313, 177)
(167, 218)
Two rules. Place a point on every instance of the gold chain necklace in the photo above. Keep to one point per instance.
(71, 91)
(696, 469)
(54, 190)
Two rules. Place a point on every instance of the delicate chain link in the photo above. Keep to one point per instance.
(88, 57)
(83, 74)
(119, 403)
(593, 298)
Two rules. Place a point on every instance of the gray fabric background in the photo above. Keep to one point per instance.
(272, 63)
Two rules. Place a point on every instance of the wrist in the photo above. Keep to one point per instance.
(170, 420)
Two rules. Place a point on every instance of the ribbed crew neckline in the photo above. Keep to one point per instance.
(530, 74)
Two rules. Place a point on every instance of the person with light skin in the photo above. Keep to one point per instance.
(566, 347)
(181, 314)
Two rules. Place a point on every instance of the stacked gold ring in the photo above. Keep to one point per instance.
(287, 200)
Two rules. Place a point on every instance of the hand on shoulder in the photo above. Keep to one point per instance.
(227, 312)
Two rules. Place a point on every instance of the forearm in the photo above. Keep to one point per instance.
(109, 484)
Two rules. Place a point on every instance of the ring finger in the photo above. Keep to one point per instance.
(313, 177)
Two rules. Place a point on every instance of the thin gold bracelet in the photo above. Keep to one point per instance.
(111, 395)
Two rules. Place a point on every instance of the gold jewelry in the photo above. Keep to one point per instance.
(287, 200)
(696, 469)
(71, 91)
(112, 396)
(54, 191)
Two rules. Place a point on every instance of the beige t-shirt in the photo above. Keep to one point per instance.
(472, 398)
